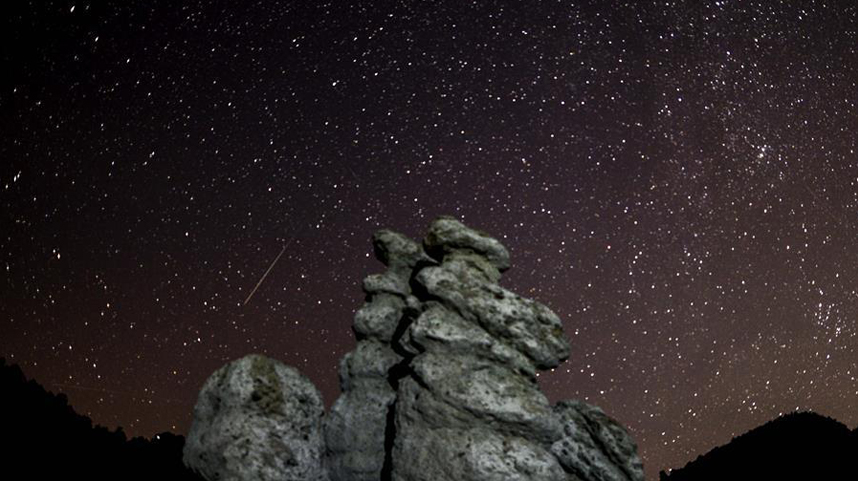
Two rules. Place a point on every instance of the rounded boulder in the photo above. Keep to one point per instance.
(257, 419)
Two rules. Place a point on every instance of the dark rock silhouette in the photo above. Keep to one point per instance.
(42, 437)
(802, 445)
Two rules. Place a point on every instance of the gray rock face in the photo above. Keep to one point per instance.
(447, 235)
(440, 386)
(257, 419)
(378, 319)
(437, 329)
(594, 446)
(456, 454)
(356, 429)
(470, 408)
(399, 253)
(529, 327)
(460, 390)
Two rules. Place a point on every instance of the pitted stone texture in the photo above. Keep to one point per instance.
(439, 329)
(447, 235)
(389, 283)
(398, 252)
(355, 431)
(369, 359)
(257, 419)
(523, 324)
(476, 267)
(451, 454)
(462, 391)
(595, 447)
(379, 318)
(356, 426)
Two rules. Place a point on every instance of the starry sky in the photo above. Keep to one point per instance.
(676, 180)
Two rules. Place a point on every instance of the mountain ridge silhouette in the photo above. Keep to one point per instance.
(797, 445)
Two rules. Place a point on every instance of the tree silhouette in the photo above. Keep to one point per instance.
(42, 437)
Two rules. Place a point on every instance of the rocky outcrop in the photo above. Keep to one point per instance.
(595, 446)
(442, 383)
(357, 430)
(257, 419)
(470, 403)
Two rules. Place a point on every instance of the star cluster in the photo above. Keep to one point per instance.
(677, 180)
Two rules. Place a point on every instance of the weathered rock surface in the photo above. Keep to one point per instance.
(459, 390)
(399, 253)
(355, 431)
(447, 235)
(470, 407)
(525, 325)
(357, 428)
(257, 419)
(453, 454)
(378, 319)
(437, 328)
(594, 446)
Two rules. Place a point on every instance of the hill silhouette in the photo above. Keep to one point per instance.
(44, 438)
(801, 445)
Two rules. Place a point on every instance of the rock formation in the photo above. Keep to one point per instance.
(442, 382)
(357, 428)
(470, 407)
(257, 419)
(595, 446)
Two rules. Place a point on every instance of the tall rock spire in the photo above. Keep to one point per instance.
(356, 430)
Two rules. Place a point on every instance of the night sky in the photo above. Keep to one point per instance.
(676, 180)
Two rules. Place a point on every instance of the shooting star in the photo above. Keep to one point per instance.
(264, 276)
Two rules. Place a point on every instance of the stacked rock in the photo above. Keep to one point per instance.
(356, 430)
(470, 407)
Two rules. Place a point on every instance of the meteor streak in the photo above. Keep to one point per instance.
(264, 276)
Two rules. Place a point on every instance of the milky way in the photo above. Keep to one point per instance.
(677, 180)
